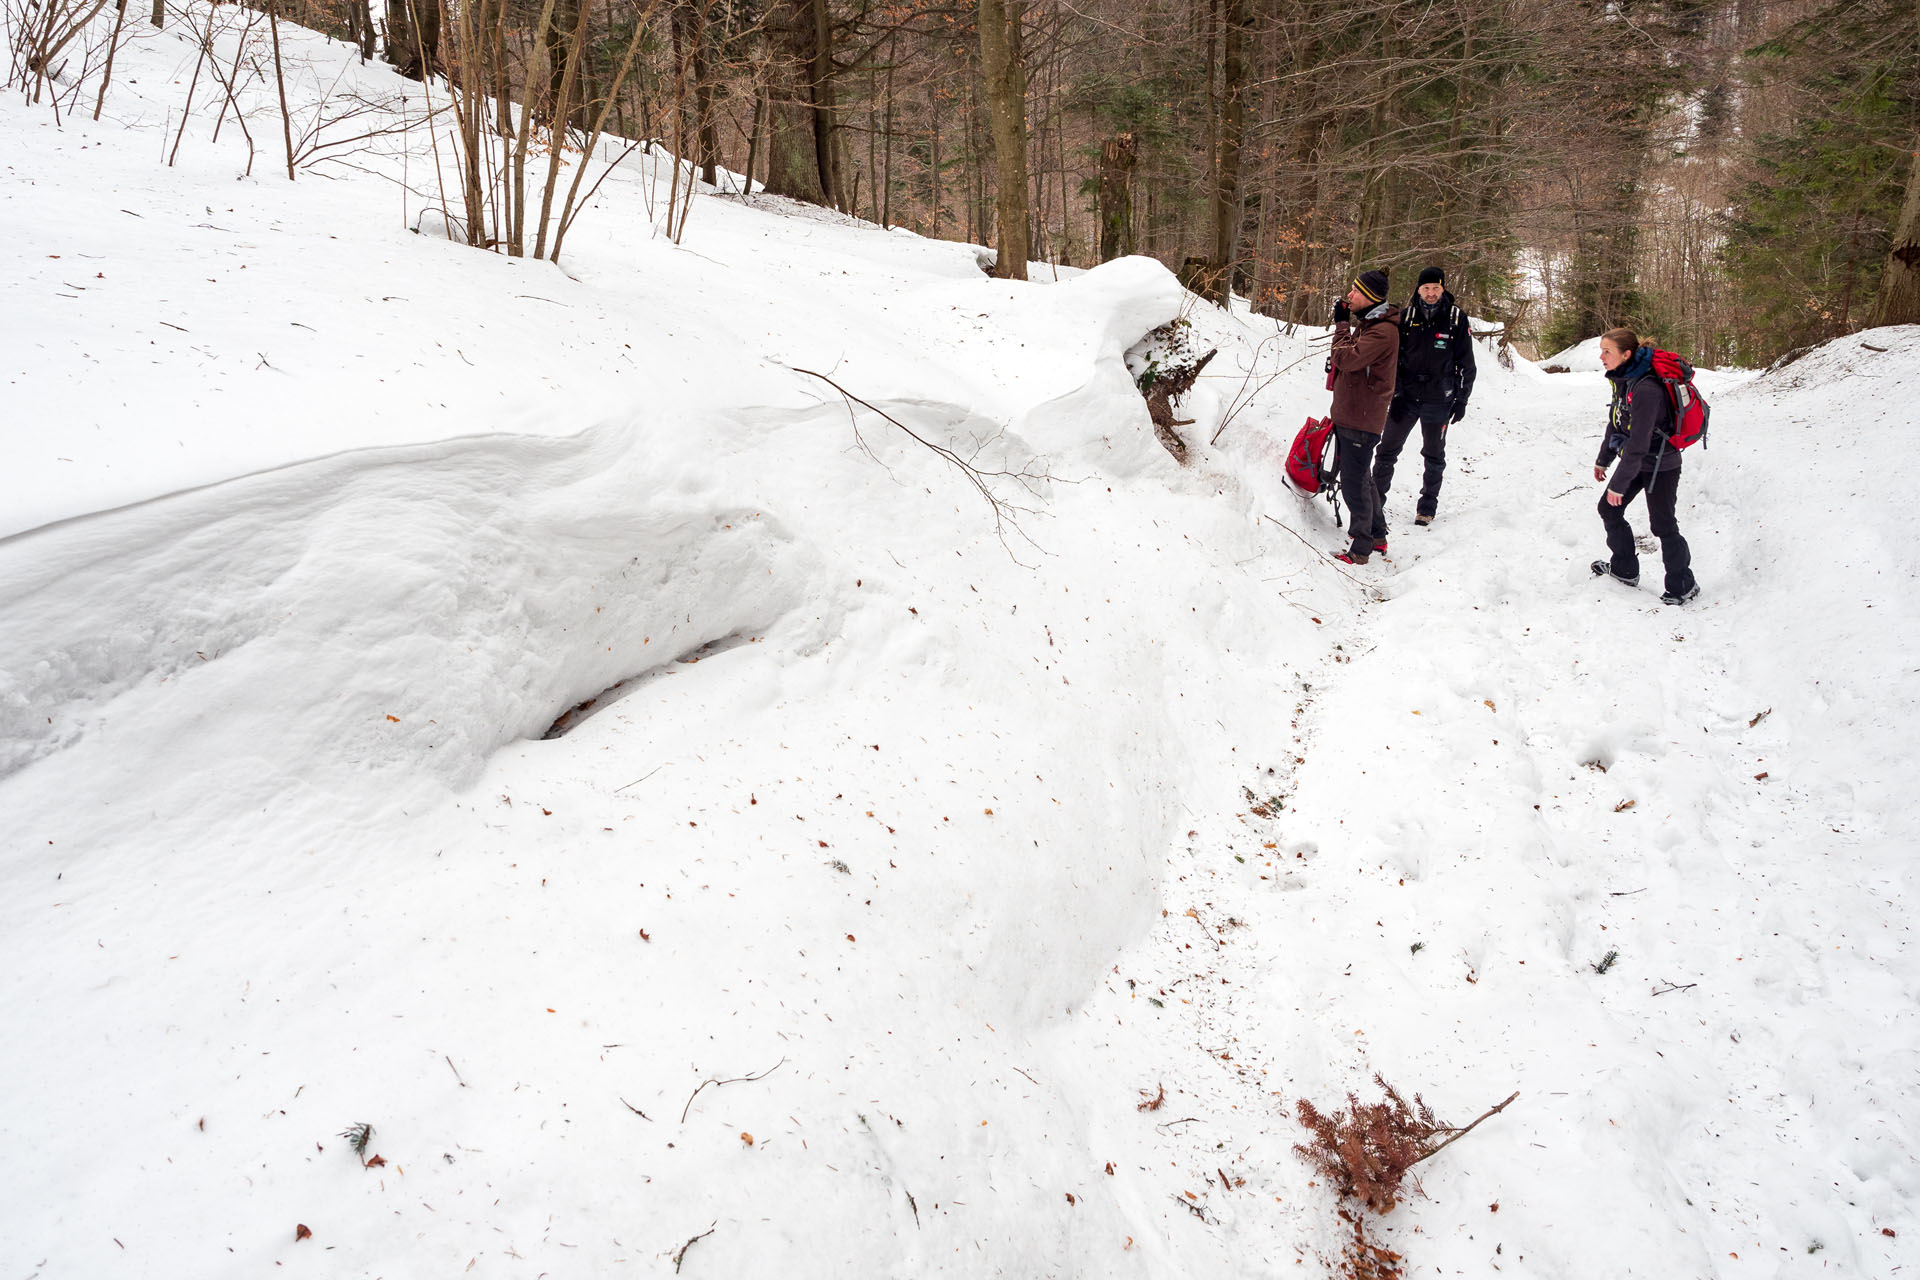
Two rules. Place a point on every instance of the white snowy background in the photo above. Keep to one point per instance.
(941, 829)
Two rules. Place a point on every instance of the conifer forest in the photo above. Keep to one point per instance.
(1737, 176)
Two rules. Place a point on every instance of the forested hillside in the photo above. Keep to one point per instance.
(1728, 174)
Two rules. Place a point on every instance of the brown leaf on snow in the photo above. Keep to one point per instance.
(1624, 805)
(301, 1231)
(1154, 1102)
(1760, 776)
(376, 1162)
(395, 719)
(747, 1138)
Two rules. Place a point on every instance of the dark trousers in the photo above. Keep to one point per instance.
(1433, 449)
(1353, 458)
(1662, 489)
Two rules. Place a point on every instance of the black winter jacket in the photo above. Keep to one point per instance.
(1638, 423)
(1436, 353)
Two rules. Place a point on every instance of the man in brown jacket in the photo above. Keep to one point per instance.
(1366, 359)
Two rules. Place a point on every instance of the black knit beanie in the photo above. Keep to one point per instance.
(1432, 275)
(1373, 284)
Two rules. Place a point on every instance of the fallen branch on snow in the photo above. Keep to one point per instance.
(759, 1075)
(1005, 514)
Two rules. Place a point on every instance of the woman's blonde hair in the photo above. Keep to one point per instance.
(1625, 341)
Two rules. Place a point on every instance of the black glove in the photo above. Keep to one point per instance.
(1341, 311)
(1459, 411)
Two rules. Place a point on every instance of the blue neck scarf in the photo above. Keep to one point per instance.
(1638, 366)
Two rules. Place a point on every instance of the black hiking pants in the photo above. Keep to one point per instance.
(1432, 418)
(1662, 489)
(1353, 459)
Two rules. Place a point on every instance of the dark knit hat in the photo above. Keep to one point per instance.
(1373, 284)
(1432, 275)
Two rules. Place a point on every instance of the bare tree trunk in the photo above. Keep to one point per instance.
(1004, 74)
(826, 116)
(496, 23)
(886, 178)
(562, 112)
(933, 159)
(466, 82)
(873, 143)
(1117, 157)
(691, 39)
(360, 30)
(558, 35)
(113, 47)
(413, 37)
(793, 157)
(187, 110)
(159, 11)
(753, 141)
(280, 83)
(1899, 298)
(1235, 73)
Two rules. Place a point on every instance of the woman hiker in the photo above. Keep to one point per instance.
(1366, 356)
(1638, 424)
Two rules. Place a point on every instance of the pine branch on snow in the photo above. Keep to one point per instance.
(1366, 1151)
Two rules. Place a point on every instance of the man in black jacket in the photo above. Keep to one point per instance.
(1436, 379)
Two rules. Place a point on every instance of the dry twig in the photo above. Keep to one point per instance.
(758, 1075)
(681, 1255)
(1005, 514)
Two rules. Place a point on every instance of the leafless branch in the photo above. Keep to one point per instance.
(681, 1255)
(759, 1075)
(1005, 514)
(1461, 1133)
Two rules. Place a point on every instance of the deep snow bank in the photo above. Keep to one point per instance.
(860, 799)
(1581, 357)
(1824, 559)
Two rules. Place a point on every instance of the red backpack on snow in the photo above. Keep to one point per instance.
(1689, 410)
(1307, 468)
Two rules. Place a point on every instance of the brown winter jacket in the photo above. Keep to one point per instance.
(1365, 361)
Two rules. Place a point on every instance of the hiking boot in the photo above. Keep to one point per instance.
(1347, 557)
(1380, 546)
(1681, 597)
(1425, 517)
(1604, 569)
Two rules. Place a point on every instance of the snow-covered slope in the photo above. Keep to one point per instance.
(1581, 357)
(898, 845)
